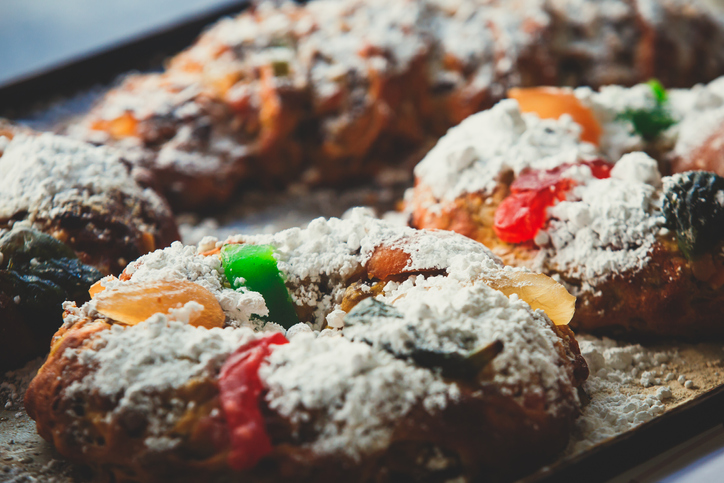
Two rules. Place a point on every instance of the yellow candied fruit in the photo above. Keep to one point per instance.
(132, 303)
(540, 292)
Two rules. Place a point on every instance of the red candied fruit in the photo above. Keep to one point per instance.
(599, 168)
(239, 390)
(520, 215)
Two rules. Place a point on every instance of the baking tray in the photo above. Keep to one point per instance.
(23, 454)
(143, 52)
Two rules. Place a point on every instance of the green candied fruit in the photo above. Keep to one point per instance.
(649, 123)
(659, 91)
(255, 268)
(462, 365)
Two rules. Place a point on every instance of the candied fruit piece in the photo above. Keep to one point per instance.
(132, 303)
(239, 391)
(599, 168)
(254, 267)
(358, 292)
(552, 102)
(121, 127)
(386, 262)
(650, 122)
(98, 287)
(659, 91)
(693, 207)
(37, 273)
(391, 260)
(540, 292)
(455, 365)
(519, 217)
(369, 309)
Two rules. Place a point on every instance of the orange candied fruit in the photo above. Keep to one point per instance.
(98, 287)
(552, 102)
(118, 128)
(132, 303)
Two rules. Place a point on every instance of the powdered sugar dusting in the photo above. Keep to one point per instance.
(47, 175)
(607, 225)
(445, 314)
(362, 391)
(133, 365)
(619, 374)
(474, 154)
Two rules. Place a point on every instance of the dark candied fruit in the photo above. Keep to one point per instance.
(693, 206)
(369, 309)
(20, 246)
(37, 274)
(463, 364)
(455, 365)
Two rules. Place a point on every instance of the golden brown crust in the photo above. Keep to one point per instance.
(664, 298)
(708, 156)
(43, 396)
(80, 431)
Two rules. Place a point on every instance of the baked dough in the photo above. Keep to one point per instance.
(332, 91)
(374, 398)
(85, 197)
(604, 235)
